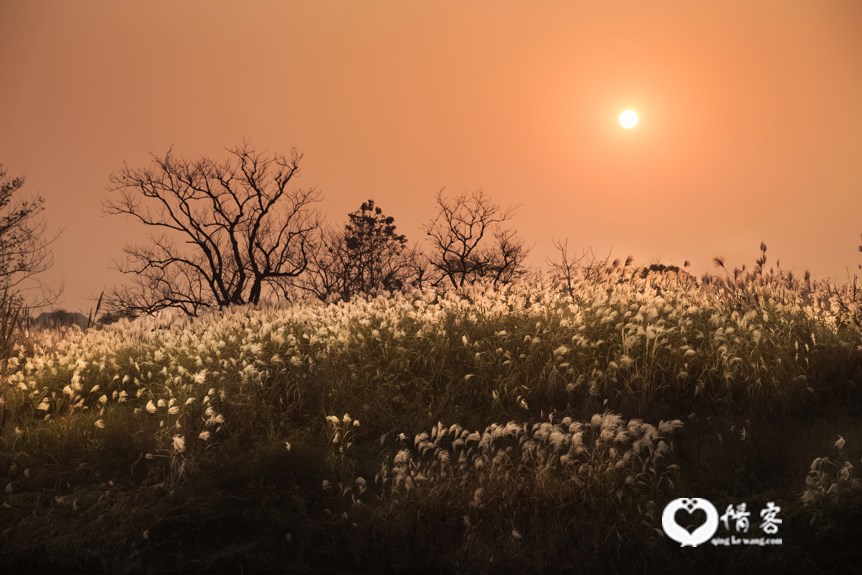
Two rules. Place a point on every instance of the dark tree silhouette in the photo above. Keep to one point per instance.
(367, 255)
(25, 251)
(243, 230)
(469, 241)
(374, 250)
(565, 271)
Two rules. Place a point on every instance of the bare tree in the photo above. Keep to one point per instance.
(25, 251)
(564, 271)
(24, 248)
(470, 241)
(244, 230)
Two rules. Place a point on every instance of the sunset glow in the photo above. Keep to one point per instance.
(406, 287)
(428, 98)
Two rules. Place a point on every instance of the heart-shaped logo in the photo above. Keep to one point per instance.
(680, 534)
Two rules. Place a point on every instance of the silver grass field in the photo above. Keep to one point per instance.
(539, 427)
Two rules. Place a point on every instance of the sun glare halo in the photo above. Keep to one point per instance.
(628, 119)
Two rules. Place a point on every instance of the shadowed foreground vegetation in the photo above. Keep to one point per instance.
(527, 429)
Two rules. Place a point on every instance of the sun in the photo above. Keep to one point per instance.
(628, 119)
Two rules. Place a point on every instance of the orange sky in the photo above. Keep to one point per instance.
(750, 116)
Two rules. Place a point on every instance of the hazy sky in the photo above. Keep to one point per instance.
(750, 116)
